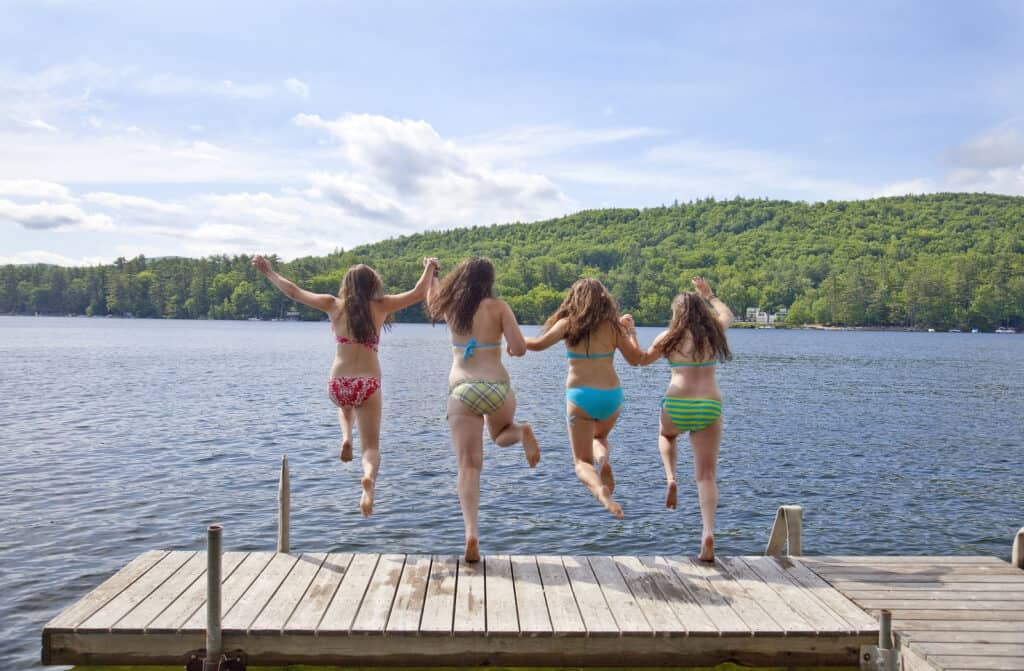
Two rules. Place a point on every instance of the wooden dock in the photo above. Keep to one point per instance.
(420, 610)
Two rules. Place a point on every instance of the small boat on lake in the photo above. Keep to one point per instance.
(1005, 329)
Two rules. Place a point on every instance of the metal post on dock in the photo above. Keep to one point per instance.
(1017, 556)
(213, 581)
(881, 657)
(787, 532)
(283, 508)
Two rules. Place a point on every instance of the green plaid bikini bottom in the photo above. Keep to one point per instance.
(481, 396)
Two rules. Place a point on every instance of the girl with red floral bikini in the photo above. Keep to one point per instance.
(357, 314)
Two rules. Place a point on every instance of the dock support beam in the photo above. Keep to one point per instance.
(1017, 556)
(213, 582)
(881, 657)
(284, 504)
(786, 532)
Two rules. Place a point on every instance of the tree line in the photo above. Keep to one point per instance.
(942, 260)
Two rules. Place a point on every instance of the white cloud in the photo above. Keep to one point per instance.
(169, 84)
(134, 204)
(911, 187)
(298, 87)
(542, 141)
(53, 216)
(995, 148)
(41, 256)
(34, 188)
(34, 124)
(354, 197)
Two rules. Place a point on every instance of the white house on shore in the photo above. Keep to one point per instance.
(759, 316)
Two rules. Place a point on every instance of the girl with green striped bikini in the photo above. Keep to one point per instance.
(478, 384)
(693, 343)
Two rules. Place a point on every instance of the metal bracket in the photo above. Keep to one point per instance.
(873, 658)
(229, 661)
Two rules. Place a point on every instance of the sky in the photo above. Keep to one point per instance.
(299, 128)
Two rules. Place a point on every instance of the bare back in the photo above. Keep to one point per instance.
(355, 359)
(594, 372)
(692, 381)
(484, 362)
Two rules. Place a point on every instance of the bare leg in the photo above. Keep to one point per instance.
(368, 420)
(581, 437)
(505, 431)
(602, 451)
(467, 438)
(667, 446)
(705, 445)
(345, 418)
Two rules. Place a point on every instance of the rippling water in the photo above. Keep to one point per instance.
(120, 436)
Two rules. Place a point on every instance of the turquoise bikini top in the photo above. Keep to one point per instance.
(471, 346)
(577, 355)
(692, 364)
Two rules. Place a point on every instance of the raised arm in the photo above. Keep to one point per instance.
(722, 312)
(514, 340)
(549, 337)
(627, 342)
(323, 302)
(395, 302)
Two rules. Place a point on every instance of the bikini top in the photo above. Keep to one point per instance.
(342, 340)
(578, 355)
(692, 364)
(471, 346)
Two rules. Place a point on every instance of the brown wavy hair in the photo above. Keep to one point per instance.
(360, 286)
(461, 292)
(587, 306)
(692, 317)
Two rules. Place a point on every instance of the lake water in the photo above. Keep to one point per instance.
(120, 436)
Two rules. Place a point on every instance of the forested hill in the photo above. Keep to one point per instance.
(943, 260)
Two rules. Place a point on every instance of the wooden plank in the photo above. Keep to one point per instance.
(470, 599)
(680, 598)
(802, 600)
(962, 637)
(565, 614)
(376, 607)
(978, 626)
(713, 605)
(756, 618)
(965, 662)
(597, 616)
(502, 617)
(629, 616)
(898, 586)
(280, 607)
(349, 596)
(241, 615)
(178, 613)
(855, 617)
(313, 604)
(439, 603)
(788, 619)
(966, 615)
(234, 587)
(162, 597)
(936, 595)
(930, 560)
(122, 604)
(410, 595)
(938, 604)
(70, 618)
(531, 606)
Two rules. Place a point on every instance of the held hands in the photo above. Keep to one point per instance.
(431, 262)
(702, 287)
(261, 264)
(627, 321)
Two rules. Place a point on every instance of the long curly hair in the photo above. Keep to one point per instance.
(587, 306)
(360, 286)
(692, 317)
(461, 292)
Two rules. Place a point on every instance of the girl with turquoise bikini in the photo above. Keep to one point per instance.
(479, 390)
(588, 322)
(693, 343)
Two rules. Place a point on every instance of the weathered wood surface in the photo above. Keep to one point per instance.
(950, 613)
(387, 610)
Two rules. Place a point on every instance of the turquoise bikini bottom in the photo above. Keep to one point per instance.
(598, 403)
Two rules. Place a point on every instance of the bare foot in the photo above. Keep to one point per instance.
(707, 549)
(472, 550)
(607, 478)
(606, 500)
(670, 496)
(530, 446)
(366, 500)
(346, 450)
